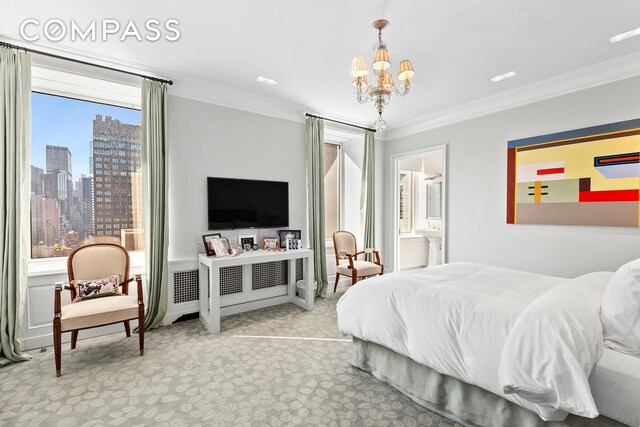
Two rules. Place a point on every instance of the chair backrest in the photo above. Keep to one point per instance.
(97, 261)
(344, 241)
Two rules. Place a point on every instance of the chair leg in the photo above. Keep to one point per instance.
(141, 328)
(127, 328)
(74, 339)
(57, 345)
(381, 270)
(354, 277)
(336, 285)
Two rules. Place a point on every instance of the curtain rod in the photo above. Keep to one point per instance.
(338, 121)
(51, 55)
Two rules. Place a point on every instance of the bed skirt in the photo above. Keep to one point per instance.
(454, 399)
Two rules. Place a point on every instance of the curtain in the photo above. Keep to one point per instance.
(368, 193)
(314, 129)
(15, 149)
(155, 184)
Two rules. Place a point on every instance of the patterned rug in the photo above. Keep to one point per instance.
(189, 377)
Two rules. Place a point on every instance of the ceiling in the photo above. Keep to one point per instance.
(455, 47)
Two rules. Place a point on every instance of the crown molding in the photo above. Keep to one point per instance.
(595, 75)
(225, 96)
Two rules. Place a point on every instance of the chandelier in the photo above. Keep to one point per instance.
(382, 87)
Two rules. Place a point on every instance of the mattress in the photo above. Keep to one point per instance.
(615, 386)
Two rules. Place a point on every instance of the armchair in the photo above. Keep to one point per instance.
(347, 262)
(93, 262)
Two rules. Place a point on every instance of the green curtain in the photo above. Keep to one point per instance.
(314, 129)
(155, 176)
(15, 142)
(368, 192)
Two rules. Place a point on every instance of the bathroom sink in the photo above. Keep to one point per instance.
(429, 232)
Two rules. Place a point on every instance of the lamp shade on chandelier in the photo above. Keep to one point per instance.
(382, 86)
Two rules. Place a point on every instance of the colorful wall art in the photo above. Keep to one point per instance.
(587, 176)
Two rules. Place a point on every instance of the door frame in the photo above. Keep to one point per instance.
(394, 235)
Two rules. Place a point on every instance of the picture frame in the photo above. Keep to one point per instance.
(271, 243)
(237, 249)
(247, 239)
(207, 240)
(288, 234)
(221, 247)
(293, 245)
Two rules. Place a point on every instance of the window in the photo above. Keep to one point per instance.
(332, 180)
(73, 143)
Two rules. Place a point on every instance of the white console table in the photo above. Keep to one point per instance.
(247, 297)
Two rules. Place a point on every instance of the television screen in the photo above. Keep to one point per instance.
(244, 203)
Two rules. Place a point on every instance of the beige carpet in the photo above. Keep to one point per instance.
(188, 377)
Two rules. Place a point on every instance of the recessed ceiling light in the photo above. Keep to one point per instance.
(623, 36)
(503, 76)
(266, 81)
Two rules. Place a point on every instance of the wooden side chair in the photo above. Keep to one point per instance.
(347, 262)
(89, 263)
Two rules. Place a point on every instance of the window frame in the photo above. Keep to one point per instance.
(341, 188)
(82, 86)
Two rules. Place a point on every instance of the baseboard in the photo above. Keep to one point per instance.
(46, 340)
(253, 305)
(178, 310)
(342, 283)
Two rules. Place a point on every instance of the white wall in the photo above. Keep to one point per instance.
(208, 140)
(477, 229)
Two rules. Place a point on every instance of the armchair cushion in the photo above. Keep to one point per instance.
(365, 268)
(99, 311)
(89, 289)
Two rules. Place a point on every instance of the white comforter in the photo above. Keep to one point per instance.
(529, 338)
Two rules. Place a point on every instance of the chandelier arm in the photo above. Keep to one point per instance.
(407, 88)
(363, 97)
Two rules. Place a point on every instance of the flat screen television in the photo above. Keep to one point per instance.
(245, 203)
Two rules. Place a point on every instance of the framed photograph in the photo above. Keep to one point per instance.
(221, 246)
(289, 234)
(271, 243)
(293, 245)
(237, 249)
(247, 240)
(207, 239)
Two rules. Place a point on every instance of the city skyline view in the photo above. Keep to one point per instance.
(86, 176)
(68, 122)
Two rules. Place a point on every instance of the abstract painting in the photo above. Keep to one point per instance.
(588, 176)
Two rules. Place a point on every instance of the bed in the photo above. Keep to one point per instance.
(484, 345)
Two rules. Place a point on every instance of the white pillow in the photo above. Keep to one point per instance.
(620, 313)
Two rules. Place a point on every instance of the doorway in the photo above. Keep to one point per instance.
(419, 208)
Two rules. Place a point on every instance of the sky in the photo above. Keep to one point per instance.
(69, 123)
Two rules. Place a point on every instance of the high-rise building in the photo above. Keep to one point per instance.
(86, 199)
(36, 218)
(36, 180)
(116, 157)
(58, 159)
(50, 185)
(50, 221)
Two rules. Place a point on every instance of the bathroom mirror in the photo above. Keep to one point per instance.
(434, 200)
